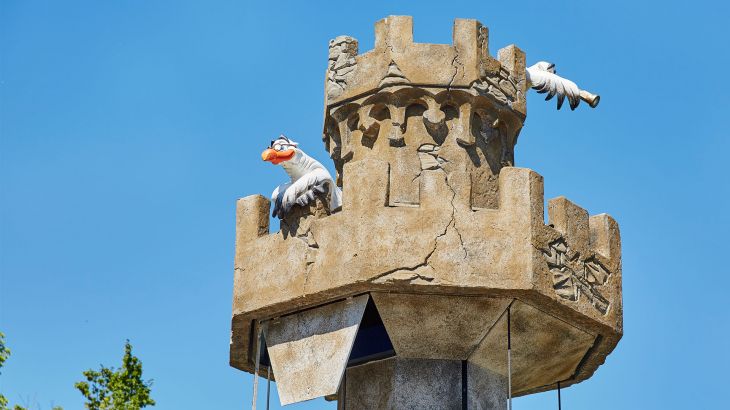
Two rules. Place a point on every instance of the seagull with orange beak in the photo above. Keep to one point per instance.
(308, 177)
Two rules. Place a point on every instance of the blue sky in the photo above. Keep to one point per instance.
(129, 128)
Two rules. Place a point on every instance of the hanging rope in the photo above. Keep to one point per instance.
(509, 358)
(559, 405)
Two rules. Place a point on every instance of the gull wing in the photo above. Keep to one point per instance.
(553, 84)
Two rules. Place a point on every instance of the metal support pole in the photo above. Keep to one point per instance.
(509, 358)
(257, 357)
(559, 405)
(268, 386)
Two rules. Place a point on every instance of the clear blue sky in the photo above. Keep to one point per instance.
(129, 128)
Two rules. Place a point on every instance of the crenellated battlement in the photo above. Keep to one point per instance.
(398, 60)
(443, 246)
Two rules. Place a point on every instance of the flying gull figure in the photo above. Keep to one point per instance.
(543, 78)
(308, 177)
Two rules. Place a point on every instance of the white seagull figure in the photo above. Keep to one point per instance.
(543, 78)
(308, 177)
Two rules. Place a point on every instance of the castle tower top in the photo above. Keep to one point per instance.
(438, 266)
(464, 64)
(422, 106)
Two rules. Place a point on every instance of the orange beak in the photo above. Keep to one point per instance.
(277, 157)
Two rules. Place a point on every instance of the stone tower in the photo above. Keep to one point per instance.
(407, 295)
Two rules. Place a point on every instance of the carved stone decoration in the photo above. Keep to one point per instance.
(341, 64)
(393, 76)
(573, 276)
(501, 87)
(434, 118)
(429, 156)
(398, 124)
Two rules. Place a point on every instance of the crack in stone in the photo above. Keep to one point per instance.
(389, 46)
(420, 265)
(426, 261)
(312, 248)
(446, 229)
(456, 71)
(453, 217)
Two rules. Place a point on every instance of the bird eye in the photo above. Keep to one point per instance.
(278, 147)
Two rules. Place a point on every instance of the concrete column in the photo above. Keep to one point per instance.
(397, 383)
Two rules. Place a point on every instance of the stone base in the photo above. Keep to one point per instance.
(398, 383)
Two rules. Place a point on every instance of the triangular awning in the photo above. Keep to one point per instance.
(309, 350)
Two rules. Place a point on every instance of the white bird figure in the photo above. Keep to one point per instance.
(543, 78)
(308, 177)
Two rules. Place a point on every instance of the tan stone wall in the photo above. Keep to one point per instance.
(441, 246)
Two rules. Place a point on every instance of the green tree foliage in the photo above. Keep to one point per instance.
(4, 354)
(122, 389)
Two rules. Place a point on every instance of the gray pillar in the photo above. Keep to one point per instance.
(421, 384)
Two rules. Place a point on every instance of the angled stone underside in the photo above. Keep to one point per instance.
(309, 350)
(430, 326)
(545, 350)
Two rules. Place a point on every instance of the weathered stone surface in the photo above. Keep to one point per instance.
(398, 383)
(438, 225)
(444, 327)
(450, 65)
(252, 219)
(545, 350)
(402, 95)
(309, 350)
(487, 389)
(403, 384)
(441, 246)
(513, 59)
(341, 65)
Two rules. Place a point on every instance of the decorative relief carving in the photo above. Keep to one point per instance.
(393, 76)
(483, 41)
(428, 154)
(491, 129)
(434, 118)
(341, 64)
(487, 65)
(500, 86)
(398, 125)
(573, 276)
(466, 115)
